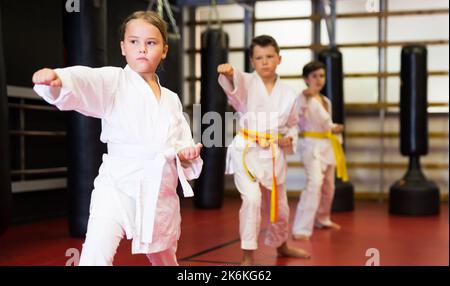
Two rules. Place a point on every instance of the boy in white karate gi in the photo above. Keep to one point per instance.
(321, 150)
(256, 157)
(149, 143)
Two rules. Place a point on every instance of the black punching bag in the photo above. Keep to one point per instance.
(5, 172)
(333, 89)
(85, 43)
(414, 194)
(170, 71)
(209, 187)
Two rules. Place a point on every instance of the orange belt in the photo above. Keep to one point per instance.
(264, 140)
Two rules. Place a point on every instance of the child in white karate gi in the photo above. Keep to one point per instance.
(319, 148)
(150, 145)
(256, 157)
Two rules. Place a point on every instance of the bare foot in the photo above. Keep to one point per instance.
(247, 258)
(333, 225)
(288, 251)
(300, 237)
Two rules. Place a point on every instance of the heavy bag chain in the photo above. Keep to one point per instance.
(213, 8)
(160, 7)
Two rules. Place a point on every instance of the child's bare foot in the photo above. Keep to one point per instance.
(247, 258)
(333, 225)
(288, 251)
(300, 237)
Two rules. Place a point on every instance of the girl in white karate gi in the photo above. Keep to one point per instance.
(318, 155)
(149, 143)
(256, 157)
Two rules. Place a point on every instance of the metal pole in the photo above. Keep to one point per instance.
(382, 86)
(191, 12)
(316, 31)
(333, 23)
(249, 28)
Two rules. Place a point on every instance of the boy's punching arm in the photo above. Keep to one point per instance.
(89, 91)
(234, 84)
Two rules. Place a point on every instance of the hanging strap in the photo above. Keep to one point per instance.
(213, 8)
(173, 23)
(162, 5)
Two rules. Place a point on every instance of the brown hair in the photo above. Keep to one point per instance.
(312, 67)
(263, 41)
(150, 17)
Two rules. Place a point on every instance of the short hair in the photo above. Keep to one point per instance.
(312, 67)
(263, 41)
(150, 17)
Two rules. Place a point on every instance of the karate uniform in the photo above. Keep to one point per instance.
(135, 191)
(275, 114)
(319, 161)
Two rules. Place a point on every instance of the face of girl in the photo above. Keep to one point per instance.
(143, 46)
(265, 61)
(316, 80)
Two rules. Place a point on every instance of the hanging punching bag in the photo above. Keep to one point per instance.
(209, 187)
(5, 172)
(85, 43)
(414, 194)
(333, 89)
(170, 72)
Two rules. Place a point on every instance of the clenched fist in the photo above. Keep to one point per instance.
(190, 153)
(308, 92)
(337, 128)
(285, 142)
(226, 70)
(47, 77)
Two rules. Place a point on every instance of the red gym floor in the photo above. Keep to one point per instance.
(211, 237)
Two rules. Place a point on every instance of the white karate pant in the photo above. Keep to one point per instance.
(314, 206)
(105, 231)
(103, 238)
(254, 198)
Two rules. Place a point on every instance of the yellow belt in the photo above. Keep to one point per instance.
(264, 140)
(341, 168)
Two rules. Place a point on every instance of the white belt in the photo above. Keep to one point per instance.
(147, 195)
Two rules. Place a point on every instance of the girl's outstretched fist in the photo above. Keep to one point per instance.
(190, 153)
(226, 70)
(47, 77)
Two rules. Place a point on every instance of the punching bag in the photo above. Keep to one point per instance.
(170, 71)
(209, 187)
(414, 194)
(333, 89)
(85, 44)
(5, 172)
